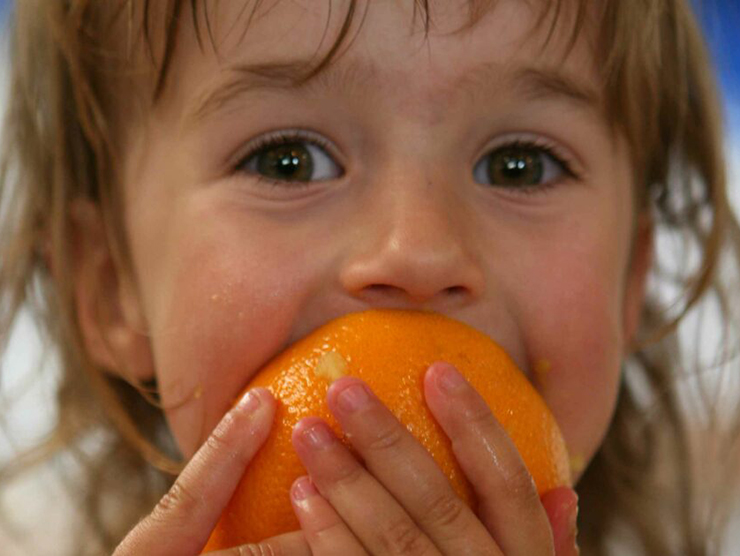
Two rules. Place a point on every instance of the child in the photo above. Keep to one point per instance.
(190, 187)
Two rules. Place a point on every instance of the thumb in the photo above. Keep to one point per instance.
(184, 518)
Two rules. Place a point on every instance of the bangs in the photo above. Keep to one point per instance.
(634, 46)
(156, 21)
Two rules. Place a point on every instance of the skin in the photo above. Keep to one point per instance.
(229, 269)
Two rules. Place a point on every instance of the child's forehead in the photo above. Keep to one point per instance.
(386, 50)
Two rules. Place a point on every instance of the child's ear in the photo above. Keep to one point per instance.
(108, 307)
(641, 261)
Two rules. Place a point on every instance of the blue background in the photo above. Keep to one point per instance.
(721, 21)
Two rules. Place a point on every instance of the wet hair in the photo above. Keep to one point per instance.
(650, 480)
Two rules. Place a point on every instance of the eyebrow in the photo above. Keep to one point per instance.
(537, 83)
(534, 83)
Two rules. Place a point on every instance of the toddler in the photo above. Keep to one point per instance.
(190, 187)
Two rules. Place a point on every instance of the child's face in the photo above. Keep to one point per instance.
(428, 163)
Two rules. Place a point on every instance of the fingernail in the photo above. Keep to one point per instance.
(303, 488)
(317, 436)
(573, 526)
(561, 505)
(355, 396)
(573, 520)
(448, 379)
(250, 402)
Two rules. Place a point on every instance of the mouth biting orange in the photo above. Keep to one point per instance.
(390, 350)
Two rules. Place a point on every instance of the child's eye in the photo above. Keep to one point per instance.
(521, 166)
(291, 158)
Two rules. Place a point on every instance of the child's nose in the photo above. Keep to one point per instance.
(415, 249)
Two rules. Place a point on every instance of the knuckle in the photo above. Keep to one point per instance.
(388, 437)
(443, 509)
(479, 415)
(328, 532)
(218, 440)
(519, 485)
(221, 441)
(259, 549)
(404, 537)
(179, 500)
(347, 474)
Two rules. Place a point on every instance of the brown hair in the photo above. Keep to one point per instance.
(646, 481)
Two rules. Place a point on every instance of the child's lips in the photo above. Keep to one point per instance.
(541, 369)
(532, 371)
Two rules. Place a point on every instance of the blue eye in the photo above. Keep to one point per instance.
(520, 166)
(291, 158)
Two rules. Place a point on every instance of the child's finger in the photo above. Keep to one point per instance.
(184, 518)
(400, 464)
(509, 506)
(561, 505)
(323, 529)
(289, 544)
(375, 518)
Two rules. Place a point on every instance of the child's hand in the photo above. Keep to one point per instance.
(401, 503)
(186, 515)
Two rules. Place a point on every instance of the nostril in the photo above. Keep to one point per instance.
(394, 293)
(456, 290)
(386, 295)
(381, 288)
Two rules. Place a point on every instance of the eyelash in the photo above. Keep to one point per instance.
(542, 145)
(279, 138)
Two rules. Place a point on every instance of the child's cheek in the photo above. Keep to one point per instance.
(575, 351)
(580, 385)
(219, 327)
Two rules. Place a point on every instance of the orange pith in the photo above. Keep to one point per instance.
(390, 350)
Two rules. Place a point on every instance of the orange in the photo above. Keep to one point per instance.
(390, 350)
